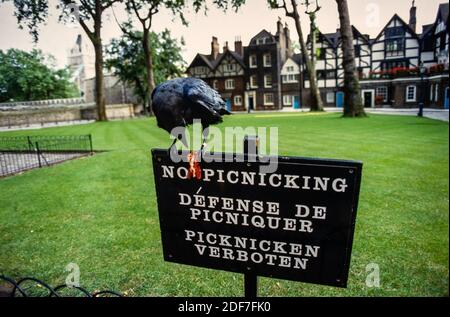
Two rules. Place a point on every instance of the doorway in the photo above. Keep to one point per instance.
(339, 99)
(368, 98)
(446, 103)
(296, 102)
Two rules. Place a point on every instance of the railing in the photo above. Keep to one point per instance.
(50, 102)
(32, 287)
(22, 153)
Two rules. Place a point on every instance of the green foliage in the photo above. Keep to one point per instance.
(26, 76)
(101, 214)
(125, 57)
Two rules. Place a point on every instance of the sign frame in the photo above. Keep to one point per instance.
(354, 167)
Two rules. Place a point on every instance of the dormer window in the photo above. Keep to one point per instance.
(397, 31)
(261, 41)
(229, 67)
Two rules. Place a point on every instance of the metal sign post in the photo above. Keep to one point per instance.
(250, 279)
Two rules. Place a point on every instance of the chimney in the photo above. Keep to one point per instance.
(413, 16)
(286, 31)
(238, 48)
(279, 26)
(215, 47)
(225, 48)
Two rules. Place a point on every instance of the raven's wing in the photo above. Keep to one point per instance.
(207, 103)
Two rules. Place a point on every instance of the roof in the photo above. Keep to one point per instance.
(335, 38)
(396, 16)
(263, 33)
(443, 11)
(426, 29)
(213, 63)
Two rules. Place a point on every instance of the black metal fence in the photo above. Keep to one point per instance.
(32, 287)
(22, 153)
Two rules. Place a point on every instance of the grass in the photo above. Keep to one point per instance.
(100, 212)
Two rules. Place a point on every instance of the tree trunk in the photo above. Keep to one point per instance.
(317, 104)
(96, 39)
(149, 68)
(353, 106)
(99, 82)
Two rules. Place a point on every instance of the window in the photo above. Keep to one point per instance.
(229, 67)
(267, 60)
(436, 92)
(397, 31)
(383, 92)
(330, 97)
(238, 100)
(290, 69)
(291, 78)
(432, 92)
(216, 84)
(268, 99)
(253, 61)
(229, 84)
(331, 74)
(268, 81)
(261, 41)
(253, 82)
(411, 93)
(394, 47)
(200, 70)
(287, 100)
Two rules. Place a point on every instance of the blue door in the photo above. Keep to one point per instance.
(339, 99)
(446, 98)
(228, 101)
(296, 102)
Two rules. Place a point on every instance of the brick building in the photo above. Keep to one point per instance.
(268, 76)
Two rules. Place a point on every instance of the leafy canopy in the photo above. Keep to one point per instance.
(125, 57)
(27, 76)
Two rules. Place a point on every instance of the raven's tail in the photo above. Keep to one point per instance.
(224, 112)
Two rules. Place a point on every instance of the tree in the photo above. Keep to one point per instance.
(27, 76)
(34, 12)
(125, 57)
(353, 106)
(145, 10)
(293, 12)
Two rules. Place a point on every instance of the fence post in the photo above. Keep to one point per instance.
(30, 144)
(90, 144)
(38, 154)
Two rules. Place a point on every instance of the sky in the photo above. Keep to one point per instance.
(369, 16)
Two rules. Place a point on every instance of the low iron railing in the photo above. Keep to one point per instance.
(20, 153)
(33, 287)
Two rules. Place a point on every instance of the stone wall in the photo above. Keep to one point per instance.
(62, 114)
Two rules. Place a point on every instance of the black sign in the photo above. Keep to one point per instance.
(296, 223)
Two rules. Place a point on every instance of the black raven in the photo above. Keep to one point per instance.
(178, 102)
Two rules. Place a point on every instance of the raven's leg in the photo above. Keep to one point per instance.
(205, 134)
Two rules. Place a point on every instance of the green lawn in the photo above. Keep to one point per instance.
(100, 212)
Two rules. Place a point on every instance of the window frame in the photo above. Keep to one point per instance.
(266, 85)
(251, 81)
(227, 86)
(237, 100)
(251, 61)
(385, 95)
(289, 102)
(414, 99)
(265, 60)
(269, 103)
